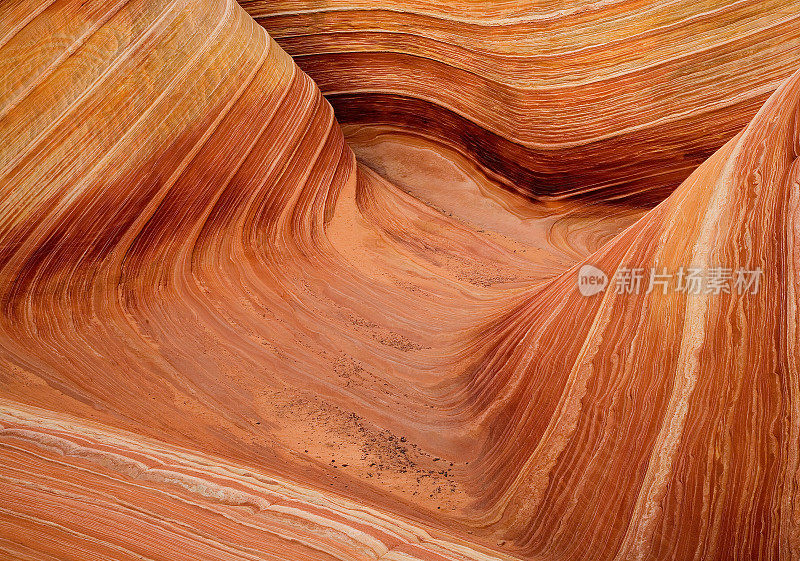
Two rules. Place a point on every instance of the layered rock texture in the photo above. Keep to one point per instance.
(224, 337)
(545, 95)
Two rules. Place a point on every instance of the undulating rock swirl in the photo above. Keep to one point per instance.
(545, 94)
(223, 337)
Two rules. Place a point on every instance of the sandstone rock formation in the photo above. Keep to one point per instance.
(544, 95)
(222, 337)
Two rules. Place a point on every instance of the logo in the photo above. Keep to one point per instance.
(591, 280)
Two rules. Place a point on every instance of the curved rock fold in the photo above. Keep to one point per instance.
(223, 336)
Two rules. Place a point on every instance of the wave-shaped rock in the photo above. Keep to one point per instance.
(548, 96)
(663, 423)
(222, 337)
(108, 489)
